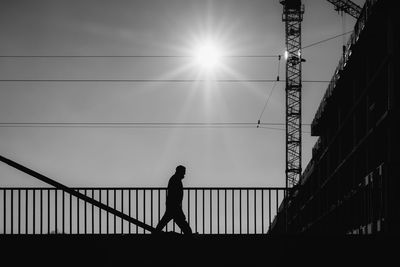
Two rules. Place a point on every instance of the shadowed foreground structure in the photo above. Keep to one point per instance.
(196, 250)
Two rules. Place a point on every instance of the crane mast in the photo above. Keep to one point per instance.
(293, 11)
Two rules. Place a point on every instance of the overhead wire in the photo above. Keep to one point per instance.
(130, 124)
(130, 56)
(136, 124)
(326, 40)
(157, 80)
(166, 56)
(270, 93)
(266, 102)
(159, 125)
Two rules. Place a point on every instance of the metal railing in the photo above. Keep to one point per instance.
(208, 210)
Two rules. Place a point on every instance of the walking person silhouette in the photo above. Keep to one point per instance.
(174, 202)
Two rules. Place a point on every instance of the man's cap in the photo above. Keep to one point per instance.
(180, 168)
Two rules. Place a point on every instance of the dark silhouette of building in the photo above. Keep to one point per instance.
(351, 184)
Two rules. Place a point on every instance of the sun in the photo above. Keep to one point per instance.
(208, 55)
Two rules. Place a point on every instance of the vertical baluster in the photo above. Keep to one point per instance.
(122, 210)
(41, 211)
(115, 207)
(63, 212)
(19, 211)
(233, 211)
(5, 209)
(151, 206)
(130, 206)
(144, 208)
(85, 213)
(70, 213)
(55, 210)
(240, 211)
(137, 207)
(48, 211)
(26, 212)
(12, 210)
(188, 193)
(218, 211)
(33, 211)
(262, 210)
(159, 204)
(108, 215)
(91, 206)
(255, 211)
(166, 193)
(77, 215)
(277, 201)
(226, 217)
(203, 214)
(247, 203)
(210, 211)
(269, 208)
(99, 190)
(195, 208)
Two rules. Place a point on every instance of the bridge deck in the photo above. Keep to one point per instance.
(196, 250)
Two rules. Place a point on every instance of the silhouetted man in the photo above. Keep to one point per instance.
(174, 202)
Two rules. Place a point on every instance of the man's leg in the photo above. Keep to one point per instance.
(164, 220)
(180, 220)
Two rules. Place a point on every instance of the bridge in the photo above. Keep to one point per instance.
(60, 209)
(116, 225)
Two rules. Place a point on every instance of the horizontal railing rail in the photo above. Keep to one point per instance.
(208, 210)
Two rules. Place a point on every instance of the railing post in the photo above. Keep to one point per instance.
(33, 212)
(210, 211)
(100, 211)
(12, 211)
(233, 211)
(19, 211)
(41, 211)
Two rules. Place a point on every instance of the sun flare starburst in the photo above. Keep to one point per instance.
(208, 55)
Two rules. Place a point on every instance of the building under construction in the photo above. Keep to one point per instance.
(351, 184)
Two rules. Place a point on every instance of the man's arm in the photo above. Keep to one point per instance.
(173, 194)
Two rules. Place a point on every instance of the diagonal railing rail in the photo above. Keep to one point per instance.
(76, 194)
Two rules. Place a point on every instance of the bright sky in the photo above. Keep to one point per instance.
(148, 156)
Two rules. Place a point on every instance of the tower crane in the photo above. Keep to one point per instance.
(347, 6)
(293, 11)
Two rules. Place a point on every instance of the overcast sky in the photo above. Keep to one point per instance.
(143, 156)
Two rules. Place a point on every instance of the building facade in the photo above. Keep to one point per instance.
(350, 185)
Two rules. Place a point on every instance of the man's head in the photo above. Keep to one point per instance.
(180, 171)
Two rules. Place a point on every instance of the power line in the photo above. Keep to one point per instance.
(266, 102)
(270, 93)
(157, 80)
(131, 56)
(325, 40)
(136, 124)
